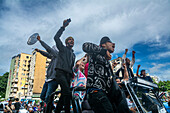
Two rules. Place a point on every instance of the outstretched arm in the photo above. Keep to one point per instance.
(48, 48)
(138, 71)
(44, 53)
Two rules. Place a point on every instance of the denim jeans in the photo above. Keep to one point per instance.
(48, 88)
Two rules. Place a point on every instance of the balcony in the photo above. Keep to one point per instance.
(15, 86)
(16, 80)
(26, 83)
(15, 90)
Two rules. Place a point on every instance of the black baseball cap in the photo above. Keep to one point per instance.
(104, 40)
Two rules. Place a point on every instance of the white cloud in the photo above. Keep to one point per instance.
(160, 55)
(160, 70)
(125, 22)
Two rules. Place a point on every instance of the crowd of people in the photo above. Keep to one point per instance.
(16, 106)
(93, 71)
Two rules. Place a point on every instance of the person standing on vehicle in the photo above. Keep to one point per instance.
(102, 89)
(65, 63)
(50, 84)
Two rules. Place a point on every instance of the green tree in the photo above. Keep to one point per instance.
(164, 85)
(3, 84)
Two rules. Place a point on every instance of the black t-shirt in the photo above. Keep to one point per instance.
(17, 105)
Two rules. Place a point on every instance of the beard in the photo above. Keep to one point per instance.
(70, 44)
(111, 51)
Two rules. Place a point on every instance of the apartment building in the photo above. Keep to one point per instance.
(38, 67)
(18, 77)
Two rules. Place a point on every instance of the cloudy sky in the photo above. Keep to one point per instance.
(141, 25)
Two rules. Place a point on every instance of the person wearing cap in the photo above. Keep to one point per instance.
(64, 68)
(50, 84)
(103, 91)
(143, 74)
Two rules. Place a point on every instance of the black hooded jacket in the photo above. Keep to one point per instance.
(99, 70)
(66, 57)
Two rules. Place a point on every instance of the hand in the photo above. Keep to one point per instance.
(126, 50)
(38, 37)
(37, 50)
(108, 55)
(133, 52)
(139, 66)
(65, 23)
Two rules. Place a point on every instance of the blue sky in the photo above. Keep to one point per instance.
(140, 25)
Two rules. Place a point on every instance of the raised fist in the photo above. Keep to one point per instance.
(37, 50)
(38, 37)
(139, 66)
(126, 50)
(133, 52)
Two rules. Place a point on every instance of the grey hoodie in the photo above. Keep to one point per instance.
(51, 54)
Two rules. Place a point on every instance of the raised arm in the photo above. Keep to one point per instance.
(57, 39)
(126, 75)
(76, 67)
(133, 59)
(44, 53)
(124, 56)
(48, 48)
(137, 72)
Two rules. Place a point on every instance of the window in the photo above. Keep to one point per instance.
(27, 57)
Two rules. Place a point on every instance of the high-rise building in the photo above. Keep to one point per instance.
(17, 80)
(12, 74)
(38, 66)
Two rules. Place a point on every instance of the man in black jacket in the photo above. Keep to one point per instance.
(104, 93)
(64, 66)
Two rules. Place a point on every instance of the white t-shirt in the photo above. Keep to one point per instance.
(30, 106)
